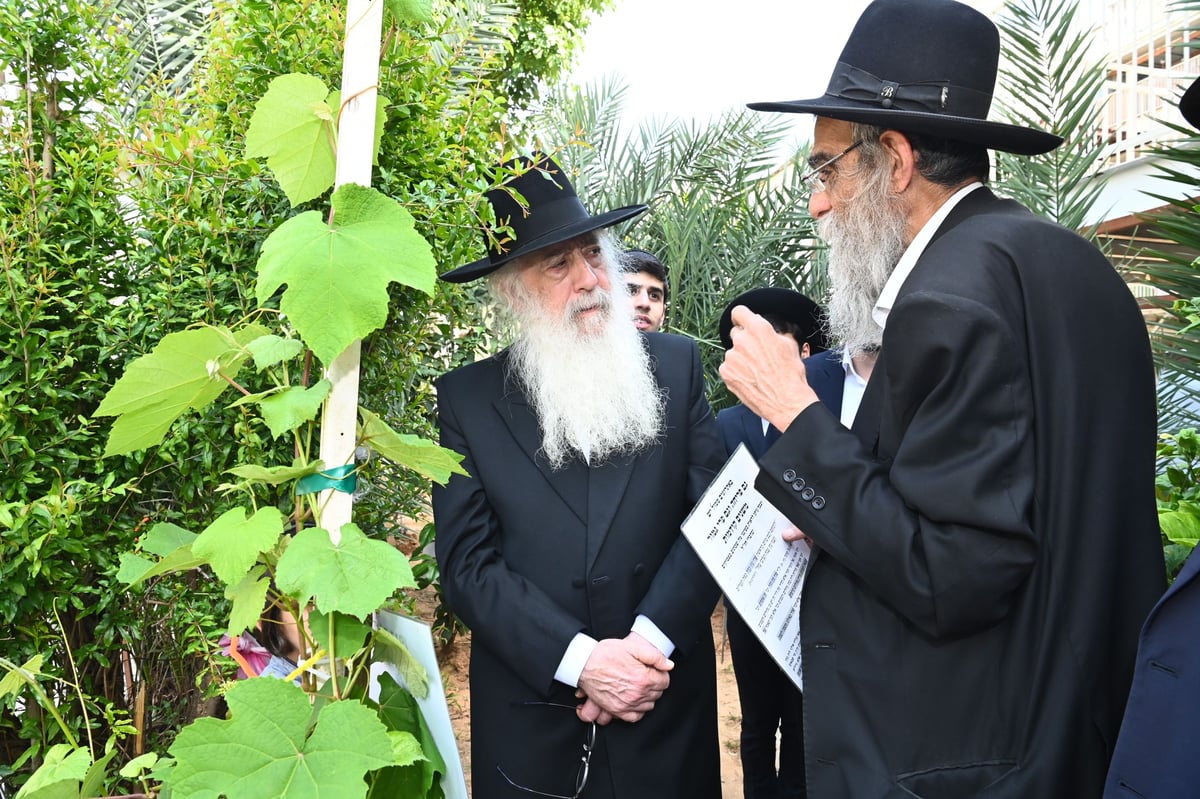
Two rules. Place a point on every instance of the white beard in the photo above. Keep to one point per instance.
(589, 380)
(866, 240)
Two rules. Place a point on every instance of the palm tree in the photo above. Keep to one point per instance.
(724, 218)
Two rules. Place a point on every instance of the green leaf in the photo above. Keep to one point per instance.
(350, 634)
(400, 712)
(419, 454)
(63, 767)
(186, 370)
(134, 768)
(410, 10)
(391, 649)
(264, 750)
(276, 475)
(94, 779)
(248, 599)
(270, 350)
(294, 406)
(232, 543)
(1180, 527)
(355, 577)
(292, 127)
(135, 569)
(19, 676)
(164, 538)
(337, 275)
(406, 749)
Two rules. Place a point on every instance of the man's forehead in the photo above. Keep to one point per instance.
(642, 279)
(830, 137)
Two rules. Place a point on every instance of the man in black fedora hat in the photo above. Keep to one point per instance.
(586, 444)
(772, 706)
(986, 535)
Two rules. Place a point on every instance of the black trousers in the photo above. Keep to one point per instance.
(771, 703)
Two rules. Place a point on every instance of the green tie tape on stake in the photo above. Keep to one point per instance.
(339, 478)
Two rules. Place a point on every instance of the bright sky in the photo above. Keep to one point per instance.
(696, 58)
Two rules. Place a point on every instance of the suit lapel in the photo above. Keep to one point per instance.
(606, 485)
(570, 482)
(867, 419)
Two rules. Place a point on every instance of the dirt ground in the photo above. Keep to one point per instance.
(454, 661)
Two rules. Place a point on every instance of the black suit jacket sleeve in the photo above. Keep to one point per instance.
(939, 526)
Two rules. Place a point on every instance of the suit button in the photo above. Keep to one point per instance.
(789, 475)
(807, 494)
(639, 569)
(577, 582)
(818, 503)
(798, 485)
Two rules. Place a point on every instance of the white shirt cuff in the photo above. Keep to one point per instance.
(649, 630)
(574, 659)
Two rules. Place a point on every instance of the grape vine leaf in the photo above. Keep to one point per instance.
(232, 542)
(247, 600)
(411, 10)
(349, 634)
(62, 769)
(337, 274)
(164, 538)
(391, 649)
(424, 456)
(276, 475)
(185, 370)
(400, 712)
(270, 350)
(292, 407)
(135, 569)
(355, 576)
(265, 751)
(293, 128)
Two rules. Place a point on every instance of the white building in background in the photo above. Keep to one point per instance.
(1153, 52)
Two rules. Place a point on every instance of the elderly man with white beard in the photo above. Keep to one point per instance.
(986, 537)
(586, 443)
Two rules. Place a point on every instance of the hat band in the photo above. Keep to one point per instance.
(546, 218)
(938, 97)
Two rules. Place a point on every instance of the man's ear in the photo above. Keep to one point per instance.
(902, 157)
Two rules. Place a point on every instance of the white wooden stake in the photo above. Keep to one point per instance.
(356, 136)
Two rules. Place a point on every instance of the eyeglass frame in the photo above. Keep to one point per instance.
(585, 762)
(816, 184)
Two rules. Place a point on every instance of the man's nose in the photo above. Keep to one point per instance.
(818, 204)
(585, 273)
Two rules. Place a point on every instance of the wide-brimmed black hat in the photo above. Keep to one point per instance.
(784, 303)
(925, 67)
(552, 214)
(1189, 104)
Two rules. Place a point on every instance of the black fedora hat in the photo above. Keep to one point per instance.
(784, 303)
(1189, 104)
(553, 214)
(925, 67)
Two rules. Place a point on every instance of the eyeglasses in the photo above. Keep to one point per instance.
(813, 179)
(581, 777)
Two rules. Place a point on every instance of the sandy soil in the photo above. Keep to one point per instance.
(454, 661)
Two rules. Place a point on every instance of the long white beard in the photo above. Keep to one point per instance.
(866, 240)
(589, 380)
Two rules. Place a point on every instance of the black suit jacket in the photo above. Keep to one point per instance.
(1157, 750)
(987, 535)
(530, 556)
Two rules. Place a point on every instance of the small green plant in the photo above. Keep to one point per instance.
(1178, 489)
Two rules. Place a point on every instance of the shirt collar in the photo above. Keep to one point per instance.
(904, 267)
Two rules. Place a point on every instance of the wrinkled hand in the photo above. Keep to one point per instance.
(622, 678)
(763, 369)
(792, 533)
